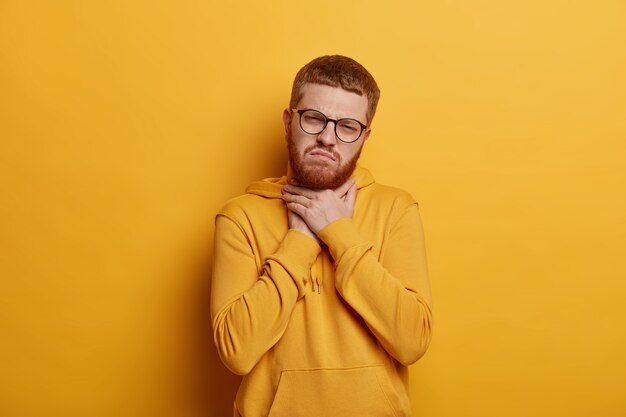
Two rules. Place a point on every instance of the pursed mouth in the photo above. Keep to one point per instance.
(323, 154)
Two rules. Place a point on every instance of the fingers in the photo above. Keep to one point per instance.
(292, 189)
(296, 199)
(299, 209)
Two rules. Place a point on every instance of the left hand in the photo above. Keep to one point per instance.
(319, 208)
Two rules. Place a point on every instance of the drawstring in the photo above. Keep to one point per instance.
(315, 276)
(316, 282)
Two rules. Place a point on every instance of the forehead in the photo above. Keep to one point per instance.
(334, 102)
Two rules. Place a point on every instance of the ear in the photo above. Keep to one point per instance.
(287, 120)
(366, 133)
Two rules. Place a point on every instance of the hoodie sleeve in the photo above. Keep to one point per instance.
(392, 294)
(250, 310)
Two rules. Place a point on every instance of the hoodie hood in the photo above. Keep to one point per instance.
(272, 187)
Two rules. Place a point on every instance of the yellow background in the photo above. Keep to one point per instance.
(125, 125)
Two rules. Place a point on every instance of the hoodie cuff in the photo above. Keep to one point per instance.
(296, 254)
(340, 236)
(302, 249)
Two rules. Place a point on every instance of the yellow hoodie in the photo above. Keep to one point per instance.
(321, 331)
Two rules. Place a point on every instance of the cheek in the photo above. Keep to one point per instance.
(347, 154)
(297, 146)
(301, 143)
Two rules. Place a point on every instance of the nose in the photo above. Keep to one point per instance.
(327, 136)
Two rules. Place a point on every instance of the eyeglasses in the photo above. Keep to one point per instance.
(314, 122)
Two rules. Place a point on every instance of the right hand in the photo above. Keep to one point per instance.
(319, 208)
(296, 223)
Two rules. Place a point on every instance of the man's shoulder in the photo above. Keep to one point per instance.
(387, 194)
(379, 193)
(259, 195)
(246, 206)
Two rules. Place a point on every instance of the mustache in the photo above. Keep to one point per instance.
(325, 149)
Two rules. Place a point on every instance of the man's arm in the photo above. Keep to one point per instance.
(250, 311)
(393, 295)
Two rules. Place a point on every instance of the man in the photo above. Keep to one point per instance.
(320, 291)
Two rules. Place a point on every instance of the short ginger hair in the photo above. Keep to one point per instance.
(337, 71)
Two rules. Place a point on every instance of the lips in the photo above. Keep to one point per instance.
(323, 155)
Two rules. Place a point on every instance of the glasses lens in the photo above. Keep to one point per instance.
(312, 122)
(348, 130)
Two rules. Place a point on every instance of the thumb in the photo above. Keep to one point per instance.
(351, 196)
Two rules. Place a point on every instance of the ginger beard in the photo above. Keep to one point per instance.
(317, 174)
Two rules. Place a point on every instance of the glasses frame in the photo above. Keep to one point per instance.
(327, 119)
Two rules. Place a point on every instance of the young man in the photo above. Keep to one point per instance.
(320, 290)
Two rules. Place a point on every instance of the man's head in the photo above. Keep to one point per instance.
(336, 88)
(341, 72)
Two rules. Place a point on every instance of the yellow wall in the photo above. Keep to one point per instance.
(125, 125)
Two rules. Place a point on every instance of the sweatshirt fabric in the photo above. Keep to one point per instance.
(324, 329)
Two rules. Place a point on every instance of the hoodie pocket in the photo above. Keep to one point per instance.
(362, 391)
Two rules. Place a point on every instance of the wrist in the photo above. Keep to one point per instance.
(307, 232)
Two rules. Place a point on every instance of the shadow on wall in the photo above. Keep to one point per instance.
(208, 387)
(220, 386)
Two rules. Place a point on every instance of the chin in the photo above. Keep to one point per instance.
(320, 175)
(319, 178)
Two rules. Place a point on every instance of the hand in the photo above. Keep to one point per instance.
(319, 208)
(296, 223)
